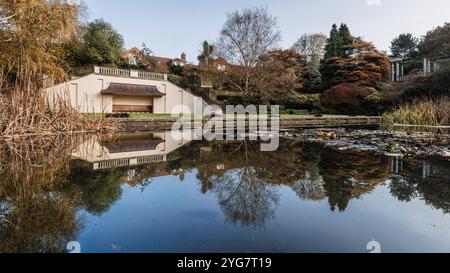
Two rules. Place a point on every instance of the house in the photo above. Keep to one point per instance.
(219, 64)
(161, 64)
(132, 56)
(112, 90)
(210, 70)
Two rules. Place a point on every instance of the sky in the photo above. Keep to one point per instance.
(170, 27)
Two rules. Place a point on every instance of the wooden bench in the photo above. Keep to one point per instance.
(132, 109)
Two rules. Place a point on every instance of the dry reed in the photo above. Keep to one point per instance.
(27, 113)
(420, 114)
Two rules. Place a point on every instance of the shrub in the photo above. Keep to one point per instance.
(346, 97)
(436, 85)
(310, 102)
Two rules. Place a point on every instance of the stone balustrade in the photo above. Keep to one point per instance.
(116, 72)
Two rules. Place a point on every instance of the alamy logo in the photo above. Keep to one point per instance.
(238, 123)
(73, 247)
(374, 247)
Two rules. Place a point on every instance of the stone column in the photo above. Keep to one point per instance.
(398, 72)
(429, 67)
(425, 69)
(393, 72)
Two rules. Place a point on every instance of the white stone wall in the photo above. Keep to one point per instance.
(84, 94)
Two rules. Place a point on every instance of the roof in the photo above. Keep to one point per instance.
(132, 90)
(179, 60)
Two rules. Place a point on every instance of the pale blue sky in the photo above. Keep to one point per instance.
(170, 27)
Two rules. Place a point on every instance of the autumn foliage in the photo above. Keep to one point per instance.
(365, 66)
(280, 73)
(346, 94)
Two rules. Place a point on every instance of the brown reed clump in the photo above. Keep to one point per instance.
(34, 215)
(420, 114)
(28, 114)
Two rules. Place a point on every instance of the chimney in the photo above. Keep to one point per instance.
(183, 56)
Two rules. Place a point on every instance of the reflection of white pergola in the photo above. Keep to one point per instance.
(430, 65)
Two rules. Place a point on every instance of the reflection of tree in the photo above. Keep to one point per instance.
(349, 175)
(310, 186)
(245, 184)
(34, 215)
(95, 191)
(402, 189)
(433, 189)
(247, 176)
(245, 198)
(43, 224)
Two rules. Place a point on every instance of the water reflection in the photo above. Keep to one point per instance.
(36, 214)
(46, 191)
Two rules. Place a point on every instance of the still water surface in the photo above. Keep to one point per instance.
(150, 193)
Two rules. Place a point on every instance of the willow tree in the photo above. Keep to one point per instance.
(32, 33)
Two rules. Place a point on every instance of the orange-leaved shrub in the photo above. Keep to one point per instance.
(346, 94)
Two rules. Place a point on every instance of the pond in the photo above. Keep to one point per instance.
(151, 193)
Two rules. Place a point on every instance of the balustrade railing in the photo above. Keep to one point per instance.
(410, 77)
(116, 72)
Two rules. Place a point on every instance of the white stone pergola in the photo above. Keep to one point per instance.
(397, 69)
(430, 65)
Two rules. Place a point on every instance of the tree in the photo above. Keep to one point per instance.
(102, 44)
(364, 65)
(313, 47)
(436, 42)
(245, 37)
(33, 32)
(145, 59)
(206, 56)
(345, 38)
(337, 41)
(404, 46)
(280, 73)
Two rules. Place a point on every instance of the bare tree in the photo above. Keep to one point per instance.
(311, 45)
(245, 37)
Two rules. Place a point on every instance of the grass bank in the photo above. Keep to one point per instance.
(420, 114)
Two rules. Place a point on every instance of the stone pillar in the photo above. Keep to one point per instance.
(398, 72)
(393, 72)
(403, 70)
(429, 67)
(425, 69)
(134, 74)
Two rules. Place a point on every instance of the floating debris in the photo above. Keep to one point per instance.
(397, 144)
